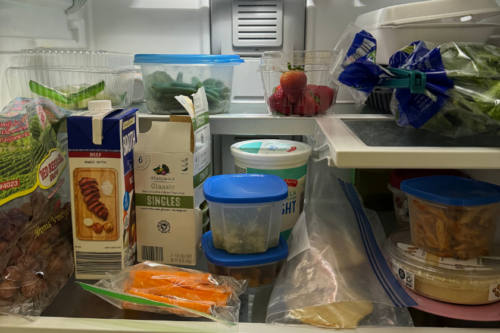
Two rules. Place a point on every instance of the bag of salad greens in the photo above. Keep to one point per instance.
(462, 82)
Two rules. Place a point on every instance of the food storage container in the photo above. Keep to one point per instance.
(245, 211)
(258, 268)
(168, 75)
(298, 83)
(470, 282)
(452, 216)
(436, 21)
(399, 198)
(283, 158)
(72, 77)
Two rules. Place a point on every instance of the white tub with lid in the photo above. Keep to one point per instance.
(286, 159)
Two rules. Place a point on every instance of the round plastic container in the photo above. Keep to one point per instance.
(285, 159)
(298, 83)
(259, 268)
(168, 75)
(452, 216)
(245, 211)
(399, 197)
(450, 280)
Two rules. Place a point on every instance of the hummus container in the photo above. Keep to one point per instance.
(470, 282)
(259, 268)
(452, 216)
(282, 158)
(245, 211)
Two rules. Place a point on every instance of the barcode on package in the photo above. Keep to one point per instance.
(238, 169)
(154, 253)
(98, 263)
(301, 203)
(489, 261)
(360, 52)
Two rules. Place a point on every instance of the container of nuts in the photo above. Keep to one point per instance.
(258, 268)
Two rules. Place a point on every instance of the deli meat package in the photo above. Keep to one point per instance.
(36, 256)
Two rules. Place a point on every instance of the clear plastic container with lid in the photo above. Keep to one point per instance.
(469, 282)
(259, 268)
(245, 211)
(452, 216)
(399, 197)
(299, 83)
(72, 77)
(168, 75)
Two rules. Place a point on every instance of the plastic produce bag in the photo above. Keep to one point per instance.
(167, 289)
(335, 275)
(462, 82)
(36, 251)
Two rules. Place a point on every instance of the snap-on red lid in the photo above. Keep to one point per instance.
(398, 175)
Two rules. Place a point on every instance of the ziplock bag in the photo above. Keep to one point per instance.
(461, 82)
(336, 275)
(167, 289)
(36, 251)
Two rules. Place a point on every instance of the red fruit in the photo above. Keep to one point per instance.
(306, 106)
(58, 204)
(324, 95)
(293, 83)
(278, 102)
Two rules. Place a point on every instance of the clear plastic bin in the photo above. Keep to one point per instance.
(452, 216)
(260, 269)
(298, 83)
(72, 77)
(470, 282)
(245, 211)
(166, 76)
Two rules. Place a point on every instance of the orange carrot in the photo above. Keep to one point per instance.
(172, 274)
(197, 306)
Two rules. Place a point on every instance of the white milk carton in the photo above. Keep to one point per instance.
(172, 161)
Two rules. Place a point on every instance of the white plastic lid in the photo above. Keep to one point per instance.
(439, 11)
(100, 105)
(271, 152)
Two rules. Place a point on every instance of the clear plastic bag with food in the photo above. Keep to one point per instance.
(36, 251)
(335, 275)
(167, 289)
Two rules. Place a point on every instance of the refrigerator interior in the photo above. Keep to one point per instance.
(185, 27)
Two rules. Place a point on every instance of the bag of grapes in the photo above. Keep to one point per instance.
(36, 254)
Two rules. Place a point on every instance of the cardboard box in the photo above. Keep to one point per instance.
(101, 145)
(172, 161)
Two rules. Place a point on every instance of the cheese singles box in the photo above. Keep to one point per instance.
(101, 144)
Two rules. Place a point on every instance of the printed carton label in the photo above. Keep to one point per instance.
(406, 278)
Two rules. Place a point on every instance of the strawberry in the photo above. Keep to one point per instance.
(306, 105)
(293, 82)
(278, 102)
(324, 95)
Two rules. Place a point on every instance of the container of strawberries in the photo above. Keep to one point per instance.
(298, 83)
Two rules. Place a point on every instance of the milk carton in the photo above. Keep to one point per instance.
(172, 161)
(101, 143)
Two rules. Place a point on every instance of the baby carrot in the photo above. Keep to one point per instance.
(197, 306)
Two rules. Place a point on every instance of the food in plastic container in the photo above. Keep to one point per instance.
(298, 83)
(167, 289)
(286, 159)
(245, 211)
(399, 197)
(259, 268)
(72, 77)
(471, 282)
(168, 75)
(452, 216)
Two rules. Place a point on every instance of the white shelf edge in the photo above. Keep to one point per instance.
(346, 150)
(85, 325)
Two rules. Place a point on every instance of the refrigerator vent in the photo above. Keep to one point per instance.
(257, 23)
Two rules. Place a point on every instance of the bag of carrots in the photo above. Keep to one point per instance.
(160, 288)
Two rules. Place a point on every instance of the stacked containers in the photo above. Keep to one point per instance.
(168, 75)
(453, 221)
(72, 77)
(245, 215)
(282, 158)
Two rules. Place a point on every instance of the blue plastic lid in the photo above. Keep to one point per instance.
(452, 190)
(245, 188)
(223, 258)
(192, 59)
